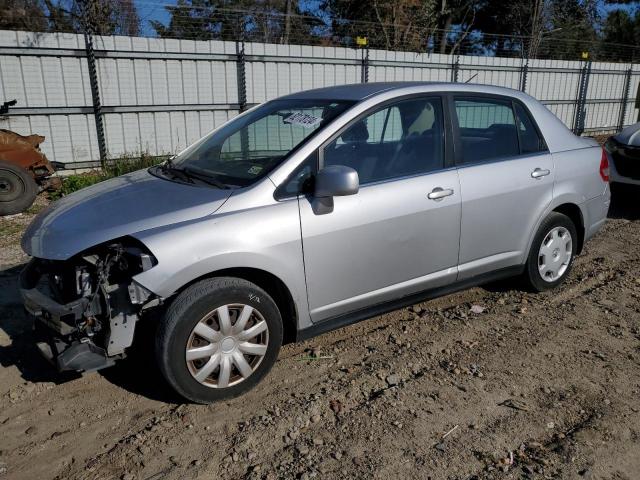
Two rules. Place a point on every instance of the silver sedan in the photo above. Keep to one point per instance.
(305, 214)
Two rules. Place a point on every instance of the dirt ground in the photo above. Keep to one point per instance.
(527, 386)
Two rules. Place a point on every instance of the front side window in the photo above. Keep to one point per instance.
(300, 181)
(487, 129)
(249, 147)
(400, 139)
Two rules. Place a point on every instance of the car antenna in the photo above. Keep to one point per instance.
(474, 76)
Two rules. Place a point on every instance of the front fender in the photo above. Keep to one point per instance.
(265, 238)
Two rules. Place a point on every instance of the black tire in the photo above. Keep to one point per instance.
(187, 310)
(18, 189)
(532, 273)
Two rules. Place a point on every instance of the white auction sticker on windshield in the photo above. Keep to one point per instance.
(303, 119)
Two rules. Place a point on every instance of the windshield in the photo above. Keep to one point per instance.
(247, 148)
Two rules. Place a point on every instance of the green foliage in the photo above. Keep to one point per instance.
(125, 165)
(73, 183)
(621, 27)
(114, 168)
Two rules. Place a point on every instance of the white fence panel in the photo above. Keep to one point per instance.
(159, 95)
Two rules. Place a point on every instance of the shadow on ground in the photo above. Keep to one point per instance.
(17, 347)
(138, 373)
(625, 201)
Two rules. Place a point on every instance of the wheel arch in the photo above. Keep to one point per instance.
(574, 213)
(271, 284)
(567, 205)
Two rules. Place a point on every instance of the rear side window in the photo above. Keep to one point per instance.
(530, 141)
(487, 129)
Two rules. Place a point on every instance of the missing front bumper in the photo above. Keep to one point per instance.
(76, 356)
(55, 331)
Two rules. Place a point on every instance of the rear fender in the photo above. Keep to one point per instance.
(566, 198)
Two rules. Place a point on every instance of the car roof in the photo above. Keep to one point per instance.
(360, 91)
(367, 95)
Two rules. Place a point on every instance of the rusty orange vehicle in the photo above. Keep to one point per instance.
(24, 171)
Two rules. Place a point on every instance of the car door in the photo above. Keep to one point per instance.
(506, 179)
(399, 234)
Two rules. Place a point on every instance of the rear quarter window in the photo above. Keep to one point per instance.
(530, 139)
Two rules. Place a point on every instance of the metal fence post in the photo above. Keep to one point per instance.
(241, 76)
(95, 93)
(364, 69)
(455, 69)
(625, 99)
(581, 100)
(637, 105)
(524, 71)
(242, 95)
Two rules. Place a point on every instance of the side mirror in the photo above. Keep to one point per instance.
(333, 181)
(336, 181)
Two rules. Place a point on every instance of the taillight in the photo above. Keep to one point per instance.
(604, 166)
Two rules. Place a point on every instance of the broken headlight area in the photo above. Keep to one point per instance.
(86, 308)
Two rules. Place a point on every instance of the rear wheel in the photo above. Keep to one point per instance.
(18, 189)
(552, 252)
(219, 338)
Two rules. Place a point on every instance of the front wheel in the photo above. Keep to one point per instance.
(552, 252)
(218, 339)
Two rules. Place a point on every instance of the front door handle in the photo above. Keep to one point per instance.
(540, 172)
(439, 193)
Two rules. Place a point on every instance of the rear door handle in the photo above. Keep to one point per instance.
(439, 193)
(540, 172)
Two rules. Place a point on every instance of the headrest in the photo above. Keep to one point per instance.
(357, 133)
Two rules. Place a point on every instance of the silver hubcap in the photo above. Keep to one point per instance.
(227, 345)
(555, 252)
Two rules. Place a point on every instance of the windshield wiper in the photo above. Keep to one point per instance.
(188, 174)
(203, 177)
(169, 168)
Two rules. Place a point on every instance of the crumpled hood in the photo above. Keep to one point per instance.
(630, 135)
(121, 206)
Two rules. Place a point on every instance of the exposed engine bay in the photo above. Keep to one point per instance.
(86, 307)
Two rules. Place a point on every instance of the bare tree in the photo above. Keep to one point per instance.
(22, 15)
(405, 23)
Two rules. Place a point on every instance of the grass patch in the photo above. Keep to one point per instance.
(7, 229)
(114, 168)
(35, 209)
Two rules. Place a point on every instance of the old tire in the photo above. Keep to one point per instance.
(18, 189)
(218, 339)
(552, 252)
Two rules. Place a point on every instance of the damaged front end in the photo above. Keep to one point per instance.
(85, 308)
